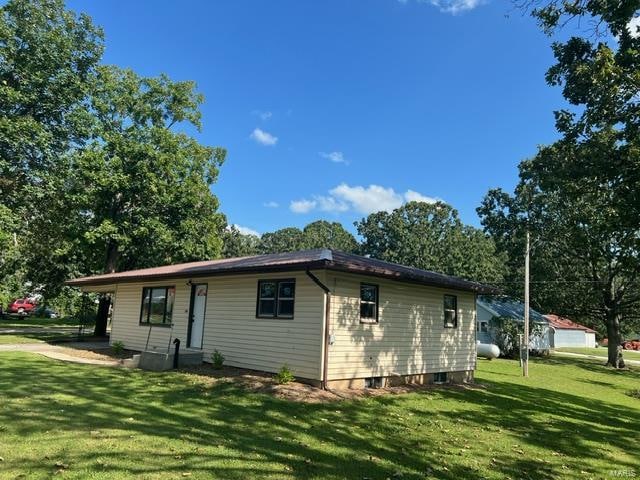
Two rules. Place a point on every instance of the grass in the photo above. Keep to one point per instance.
(571, 418)
(13, 321)
(11, 339)
(600, 352)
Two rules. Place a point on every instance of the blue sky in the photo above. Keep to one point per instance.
(332, 109)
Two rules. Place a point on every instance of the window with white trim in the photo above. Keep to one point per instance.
(450, 311)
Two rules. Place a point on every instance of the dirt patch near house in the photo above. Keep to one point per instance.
(97, 353)
(260, 382)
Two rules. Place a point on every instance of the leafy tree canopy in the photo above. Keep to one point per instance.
(579, 197)
(431, 237)
(48, 57)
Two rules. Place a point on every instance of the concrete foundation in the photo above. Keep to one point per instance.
(159, 362)
(465, 376)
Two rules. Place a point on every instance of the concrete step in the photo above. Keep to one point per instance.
(159, 361)
(132, 362)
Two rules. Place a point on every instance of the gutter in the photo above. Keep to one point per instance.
(327, 324)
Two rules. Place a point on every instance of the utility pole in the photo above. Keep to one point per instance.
(525, 352)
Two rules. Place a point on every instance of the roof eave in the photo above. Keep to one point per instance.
(469, 287)
(92, 281)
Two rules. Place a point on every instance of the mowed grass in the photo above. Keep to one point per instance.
(600, 352)
(11, 339)
(570, 419)
(12, 321)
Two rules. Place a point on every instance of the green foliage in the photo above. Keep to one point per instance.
(323, 234)
(117, 347)
(579, 196)
(432, 237)
(505, 334)
(318, 234)
(217, 359)
(289, 239)
(284, 375)
(48, 57)
(237, 244)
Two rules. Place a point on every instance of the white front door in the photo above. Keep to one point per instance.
(197, 310)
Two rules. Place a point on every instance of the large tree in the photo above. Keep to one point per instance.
(432, 237)
(323, 234)
(137, 194)
(318, 234)
(48, 57)
(238, 244)
(580, 197)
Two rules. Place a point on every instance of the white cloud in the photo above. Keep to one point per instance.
(335, 157)
(453, 7)
(373, 198)
(246, 230)
(330, 204)
(271, 204)
(263, 115)
(364, 200)
(411, 196)
(263, 138)
(302, 206)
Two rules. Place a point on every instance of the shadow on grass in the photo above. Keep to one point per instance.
(236, 435)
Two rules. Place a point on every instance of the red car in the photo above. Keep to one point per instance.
(22, 306)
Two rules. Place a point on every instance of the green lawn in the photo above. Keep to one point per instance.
(33, 337)
(600, 352)
(15, 321)
(570, 419)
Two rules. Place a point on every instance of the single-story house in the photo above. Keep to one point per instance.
(566, 333)
(490, 307)
(334, 319)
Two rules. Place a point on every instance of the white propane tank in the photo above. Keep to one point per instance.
(488, 350)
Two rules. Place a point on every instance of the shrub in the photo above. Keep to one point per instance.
(285, 375)
(505, 331)
(217, 359)
(117, 347)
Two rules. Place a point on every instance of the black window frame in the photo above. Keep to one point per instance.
(164, 322)
(440, 378)
(445, 310)
(370, 320)
(277, 299)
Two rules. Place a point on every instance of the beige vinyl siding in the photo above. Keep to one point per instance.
(126, 327)
(410, 337)
(231, 325)
(265, 344)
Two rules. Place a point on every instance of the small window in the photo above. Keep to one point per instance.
(157, 305)
(368, 303)
(440, 377)
(484, 327)
(276, 298)
(450, 311)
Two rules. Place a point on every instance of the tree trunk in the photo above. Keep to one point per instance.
(105, 300)
(103, 315)
(614, 350)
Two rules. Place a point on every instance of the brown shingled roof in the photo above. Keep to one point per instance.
(307, 259)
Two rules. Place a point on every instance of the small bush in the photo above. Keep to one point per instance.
(117, 347)
(285, 375)
(217, 359)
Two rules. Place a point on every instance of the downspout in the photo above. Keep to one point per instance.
(327, 324)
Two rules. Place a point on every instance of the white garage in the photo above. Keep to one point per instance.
(566, 333)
